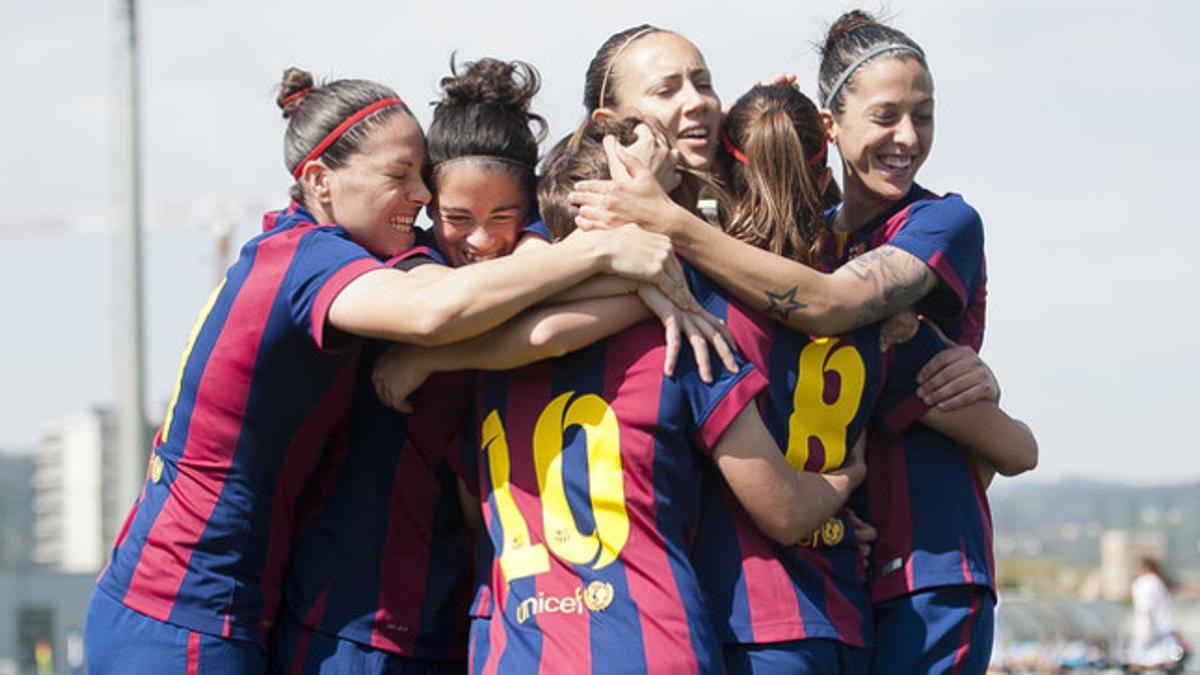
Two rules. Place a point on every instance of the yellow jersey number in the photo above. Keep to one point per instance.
(815, 417)
(520, 555)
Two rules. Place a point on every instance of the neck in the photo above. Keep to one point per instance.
(318, 211)
(859, 205)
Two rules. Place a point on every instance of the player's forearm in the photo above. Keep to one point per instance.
(1004, 443)
(538, 334)
(599, 286)
(475, 298)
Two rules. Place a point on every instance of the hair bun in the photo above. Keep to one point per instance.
(295, 82)
(489, 80)
(844, 25)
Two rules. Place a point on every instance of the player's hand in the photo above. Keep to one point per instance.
(700, 328)
(855, 465)
(864, 533)
(634, 195)
(637, 255)
(398, 373)
(650, 150)
(898, 329)
(956, 377)
(780, 80)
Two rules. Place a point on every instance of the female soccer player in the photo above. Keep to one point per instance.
(821, 393)
(878, 109)
(269, 368)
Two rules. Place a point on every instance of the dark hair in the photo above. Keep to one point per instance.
(484, 113)
(314, 111)
(1156, 568)
(599, 80)
(853, 34)
(776, 203)
(580, 156)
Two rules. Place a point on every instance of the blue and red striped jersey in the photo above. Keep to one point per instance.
(260, 393)
(822, 393)
(591, 490)
(383, 555)
(922, 490)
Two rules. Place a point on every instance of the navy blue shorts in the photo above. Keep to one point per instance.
(947, 629)
(121, 641)
(299, 650)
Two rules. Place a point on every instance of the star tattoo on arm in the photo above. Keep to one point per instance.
(783, 304)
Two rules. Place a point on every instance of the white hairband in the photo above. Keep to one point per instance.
(867, 56)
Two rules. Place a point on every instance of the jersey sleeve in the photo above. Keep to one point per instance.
(947, 235)
(536, 228)
(715, 406)
(423, 252)
(898, 405)
(326, 261)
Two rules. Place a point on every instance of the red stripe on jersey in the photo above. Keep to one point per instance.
(652, 586)
(750, 334)
(845, 617)
(313, 618)
(560, 646)
(193, 653)
(975, 319)
(770, 594)
(496, 632)
(301, 457)
(212, 434)
(740, 395)
(949, 275)
(398, 613)
(964, 639)
(334, 285)
(889, 495)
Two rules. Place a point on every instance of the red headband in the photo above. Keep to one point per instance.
(293, 96)
(737, 154)
(341, 129)
(743, 159)
(819, 157)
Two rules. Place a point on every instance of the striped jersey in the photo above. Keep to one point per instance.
(261, 389)
(382, 556)
(822, 393)
(922, 490)
(590, 484)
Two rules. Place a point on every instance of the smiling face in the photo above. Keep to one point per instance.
(885, 131)
(662, 78)
(478, 211)
(377, 194)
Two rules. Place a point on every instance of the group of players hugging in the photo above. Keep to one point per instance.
(474, 447)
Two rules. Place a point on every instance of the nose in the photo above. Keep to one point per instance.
(421, 193)
(693, 99)
(479, 239)
(905, 134)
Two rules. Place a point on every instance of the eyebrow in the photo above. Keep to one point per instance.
(463, 209)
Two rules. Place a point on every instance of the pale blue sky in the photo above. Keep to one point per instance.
(1068, 125)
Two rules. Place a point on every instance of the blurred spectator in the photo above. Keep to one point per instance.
(1155, 645)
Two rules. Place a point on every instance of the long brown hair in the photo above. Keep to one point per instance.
(772, 155)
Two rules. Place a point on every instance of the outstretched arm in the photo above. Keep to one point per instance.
(537, 334)
(434, 305)
(867, 289)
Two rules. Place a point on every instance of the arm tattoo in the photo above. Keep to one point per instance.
(897, 278)
(783, 304)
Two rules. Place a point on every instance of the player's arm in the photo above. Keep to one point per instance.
(537, 334)
(1002, 442)
(434, 305)
(867, 289)
(786, 505)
